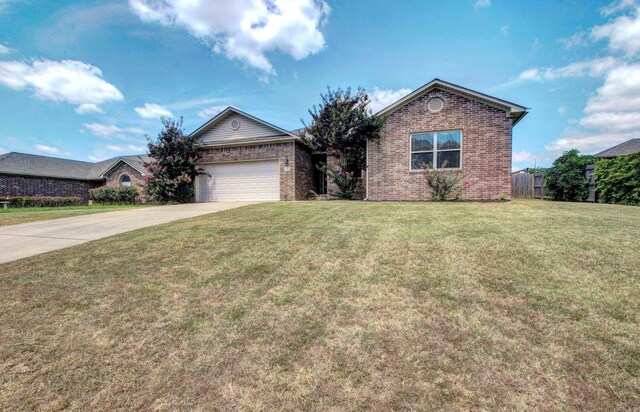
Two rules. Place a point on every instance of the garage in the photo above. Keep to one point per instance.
(251, 180)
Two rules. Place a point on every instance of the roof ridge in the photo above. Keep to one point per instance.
(49, 157)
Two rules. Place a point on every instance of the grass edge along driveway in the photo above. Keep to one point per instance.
(14, 216)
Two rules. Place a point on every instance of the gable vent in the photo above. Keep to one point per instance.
(235, 124)
(435, 105)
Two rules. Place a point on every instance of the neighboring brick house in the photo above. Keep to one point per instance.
(33, 175)
(246, 158)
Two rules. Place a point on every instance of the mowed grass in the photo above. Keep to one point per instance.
(15, 216)
(334, 306)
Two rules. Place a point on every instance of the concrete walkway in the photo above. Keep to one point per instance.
(29, 239)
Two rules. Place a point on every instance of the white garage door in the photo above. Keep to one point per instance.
(239, 181)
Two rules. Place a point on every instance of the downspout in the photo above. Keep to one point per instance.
(366, 172)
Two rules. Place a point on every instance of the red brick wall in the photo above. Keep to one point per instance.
(304, 172)
(294, 183)
(137, 180)
(14, 185)
(486, 149)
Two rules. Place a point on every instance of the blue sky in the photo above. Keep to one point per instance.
(88, 79)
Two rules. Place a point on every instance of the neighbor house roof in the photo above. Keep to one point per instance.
(623, 149)
(516, 111)
(46, 166)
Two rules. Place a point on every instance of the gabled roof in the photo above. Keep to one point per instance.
(623, 149)
(230, 109)
(46, 166)
(516, 111)
(135, 161)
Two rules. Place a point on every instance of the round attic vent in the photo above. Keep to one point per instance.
(435, 105)
(235, 124)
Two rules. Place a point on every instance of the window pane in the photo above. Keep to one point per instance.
(422, 142)
(418, 158)
(448, 159)
(448, 140)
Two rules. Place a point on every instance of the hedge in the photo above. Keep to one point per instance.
(565, 179)
(43, 201)
(114, 195)
(618, 180)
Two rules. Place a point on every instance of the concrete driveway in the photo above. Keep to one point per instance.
(29, 239)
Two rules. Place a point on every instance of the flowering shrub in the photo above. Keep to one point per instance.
(342, 124)
(346, 181)
(444, 184)
(174, 166)
(114, 195)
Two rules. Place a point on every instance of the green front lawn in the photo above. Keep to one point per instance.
(334, 306)
(32, 214)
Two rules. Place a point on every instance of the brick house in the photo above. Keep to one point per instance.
(33, 175)
(246, 158)
(442, 124)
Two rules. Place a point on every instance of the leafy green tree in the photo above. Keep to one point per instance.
(174, 164)
(565, 180)
(341, 125)
(618, 180)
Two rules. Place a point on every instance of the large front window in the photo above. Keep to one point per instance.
(437, 150)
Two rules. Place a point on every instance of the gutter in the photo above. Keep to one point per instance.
(239, 143)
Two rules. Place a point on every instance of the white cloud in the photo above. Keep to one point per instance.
(153, 111)
(482, 3)
(72, 81)
(587, 142)
(523, 156)
(575, 40)
(504, 30)
(47, 149)
(209, 112)
(112, 131)
(126, 148)
(617, 6)
(244, 30)
(4, 49)
(88, 108)
(623, 32)
(3, 150)
(562, 110)
(611, 116)
(590, 68)
(381, 98)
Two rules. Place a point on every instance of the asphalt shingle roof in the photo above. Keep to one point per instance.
(629, 147)
(46, 166)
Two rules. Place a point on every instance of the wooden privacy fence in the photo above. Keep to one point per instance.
(521, 185)
(525, 185)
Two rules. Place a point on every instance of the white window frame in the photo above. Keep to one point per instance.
(435, 150)
(120, 183)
